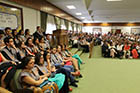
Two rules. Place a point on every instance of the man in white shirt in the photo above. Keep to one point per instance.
(120, 50)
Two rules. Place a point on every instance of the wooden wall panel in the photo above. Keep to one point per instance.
(45, 6)
(111, 24)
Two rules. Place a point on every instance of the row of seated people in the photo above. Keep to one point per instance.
(40, 64)
(121, 46)
(81, 40)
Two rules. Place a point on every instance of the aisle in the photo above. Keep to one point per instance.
(104, 75)
(96, 52)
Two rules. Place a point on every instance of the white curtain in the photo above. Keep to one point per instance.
(70, 26)
(75, 27)
(50, 24)
(63, 25)
(79, 28)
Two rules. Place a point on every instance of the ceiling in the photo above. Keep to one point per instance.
(101, 10)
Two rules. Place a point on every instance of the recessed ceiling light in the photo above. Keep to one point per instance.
(82, 17)
(105, 22)
(131, 22)
(78, 13)
(61, 14)
(13, 9)
(87, 21)
(71, 7)
(97, 21)
(113, 0)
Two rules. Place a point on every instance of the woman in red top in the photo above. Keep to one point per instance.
(126, 47)
(126, 50)
(135, 53)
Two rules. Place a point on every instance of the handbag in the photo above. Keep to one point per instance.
(49, 87)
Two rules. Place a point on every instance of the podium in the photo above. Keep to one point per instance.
(60, 37)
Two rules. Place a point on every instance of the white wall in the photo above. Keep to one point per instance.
(124, 29)
(31, 17)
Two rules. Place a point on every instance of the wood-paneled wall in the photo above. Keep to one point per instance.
(111, 24)
(45, 6)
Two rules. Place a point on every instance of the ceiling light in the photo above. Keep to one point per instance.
(78, 13)
(113, 0)
(86, 21)
(71, 7)
(82, 17)
(131, 22)
(97, 21)
(105, 22)
(14, 9)
(61, 14)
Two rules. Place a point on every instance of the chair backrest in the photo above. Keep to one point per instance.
(15, 85)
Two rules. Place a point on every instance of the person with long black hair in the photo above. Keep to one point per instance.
(51, 67)
(59, 78)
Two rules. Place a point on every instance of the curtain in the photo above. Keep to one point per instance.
(67, 25)
(43, 20)
(79, 28)
(70, 26)
(75, 27)
(58, 22)
(63, 25)
(51, 26)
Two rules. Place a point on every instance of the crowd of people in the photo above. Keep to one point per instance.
(121, 46)
(81, 40)
(113, 45)
(40, 63)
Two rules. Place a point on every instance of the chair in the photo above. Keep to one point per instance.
(16, 87)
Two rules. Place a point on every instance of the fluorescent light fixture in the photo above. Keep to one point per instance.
(13, 9)
(113, 0)
(78, 13)
(61, 14)
(86, 21)
(131, 22)
(82, 17)
(71, 7)
(105, 22)
(97, 21)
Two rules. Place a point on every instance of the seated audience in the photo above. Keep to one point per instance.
(41, 70)
(30, 46)
(10, 51)
(27, 34)
(52, 69)
(21, 35)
